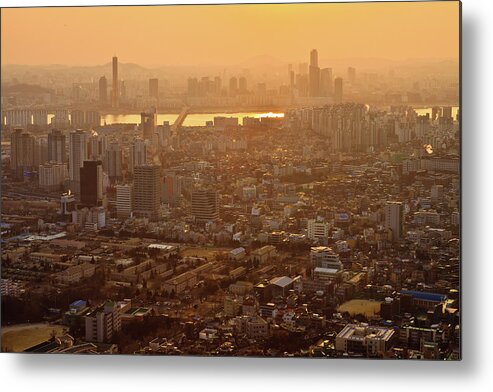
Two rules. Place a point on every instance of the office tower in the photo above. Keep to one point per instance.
(115, 93)
(351, 74)
(103, 90)
(123, 201)
(22, 152)
(233, 86)
(291, 79)
(52, 175)
(91, 183)
(146, 191)
(57, 150)
(242, 85)
(77, 118)
(205, 205)
(394, 219)
(113, 161)
(314, 74)
(338, 90)
(148, 122)
(326, 82)
(77, 154)
(137, 154)
(154, 88)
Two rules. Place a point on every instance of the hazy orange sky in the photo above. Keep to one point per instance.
(229, 34)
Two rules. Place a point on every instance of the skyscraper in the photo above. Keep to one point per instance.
(91, 183)
(394, 219)
(242, 85)
(77, 155)
(233, 86)
(146, 190)
(57, 147)
(326, 82)
(314, 74)
(113, 161)
(148, 124)
(154, 88)
(351, 74)
(103, 90)
(137, 154)
(338, 90)
(205, 205)
(96, 147)
(115, 92)
(22, 150)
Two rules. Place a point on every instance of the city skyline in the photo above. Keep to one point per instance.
(305, 209)
(338, 30)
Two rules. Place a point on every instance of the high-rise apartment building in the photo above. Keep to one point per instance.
(77, 155)
(233, 86)
(22, 152)
(351, 74)
(113, 161)
(77, 118)
(154, 88)
(51, 176)
(205, 205)
(338, 90)
(326, 82)
(242, 85)
(148, 121)
(123, 201)
(146, 190)
(394, 219)
(57, 147)
(104, 322)
(137, 154)
(103, 90)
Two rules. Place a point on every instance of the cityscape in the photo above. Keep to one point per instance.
(259, 207)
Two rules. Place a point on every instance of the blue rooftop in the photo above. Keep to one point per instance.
(78, 303)
(425, 295)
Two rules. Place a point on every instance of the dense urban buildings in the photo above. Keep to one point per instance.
(308, 208)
